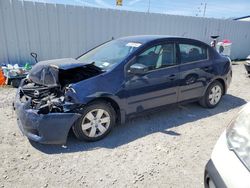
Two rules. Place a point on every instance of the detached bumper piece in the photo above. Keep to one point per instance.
(51, 128)
(212, 176)
(247, 66)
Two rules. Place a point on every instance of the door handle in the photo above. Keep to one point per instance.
(172, 77)
(207, 68)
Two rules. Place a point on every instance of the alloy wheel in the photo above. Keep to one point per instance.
(95, 123)
(215, 95)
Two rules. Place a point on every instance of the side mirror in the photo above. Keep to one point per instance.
(34, 55)
(138, 69)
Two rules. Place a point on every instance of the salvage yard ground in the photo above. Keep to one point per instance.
(163, 149)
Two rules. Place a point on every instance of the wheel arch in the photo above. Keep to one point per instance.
(203, 99)
(222, 81)
(113, 103)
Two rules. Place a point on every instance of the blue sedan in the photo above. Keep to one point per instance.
(117, 79)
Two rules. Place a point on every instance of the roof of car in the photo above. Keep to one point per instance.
(146, 38)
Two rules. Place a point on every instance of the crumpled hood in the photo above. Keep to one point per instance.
(49, 73)
(66, 63)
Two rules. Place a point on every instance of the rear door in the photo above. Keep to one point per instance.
(159, 86)
(196, 69)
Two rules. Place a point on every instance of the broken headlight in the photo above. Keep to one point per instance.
(69, 94)
(238, 136)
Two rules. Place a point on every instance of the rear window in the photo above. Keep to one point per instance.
(191, 53)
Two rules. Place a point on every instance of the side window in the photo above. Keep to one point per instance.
(157, 57)
(190, 53)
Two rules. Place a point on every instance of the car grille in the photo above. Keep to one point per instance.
(36, 93)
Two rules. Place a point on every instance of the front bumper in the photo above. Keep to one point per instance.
(229, 168)
(49, 128)
(211, 174)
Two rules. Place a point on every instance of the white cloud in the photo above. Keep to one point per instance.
(103, 4)
(82, 2)
(133, 2)
(232, 9)
(180, 12)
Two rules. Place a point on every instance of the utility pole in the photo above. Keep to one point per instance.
(202, 6)
(148, 6)
(205, 8)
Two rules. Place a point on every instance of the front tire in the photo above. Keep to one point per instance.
(97, 121)
(212, 96)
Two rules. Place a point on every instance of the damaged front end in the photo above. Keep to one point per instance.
(44, 112)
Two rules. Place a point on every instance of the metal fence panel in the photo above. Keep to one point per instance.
(57, 31)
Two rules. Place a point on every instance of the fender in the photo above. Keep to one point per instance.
(112, 98)
(214, 79)
(100, 95)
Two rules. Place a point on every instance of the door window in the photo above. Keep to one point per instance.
(191, 53)
(157, 57)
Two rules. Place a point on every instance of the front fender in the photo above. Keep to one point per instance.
(114, 100)
(104, 85)
(108, 97)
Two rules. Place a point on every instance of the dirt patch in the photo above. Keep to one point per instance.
(163, 149)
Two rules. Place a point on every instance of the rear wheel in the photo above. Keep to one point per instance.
(212, 96)
(97, 121)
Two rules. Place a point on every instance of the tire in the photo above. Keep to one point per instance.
(212, 95)
(97, 121)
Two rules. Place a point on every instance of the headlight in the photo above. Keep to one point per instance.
(238, 136)
(70, 94)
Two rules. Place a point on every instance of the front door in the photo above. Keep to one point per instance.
(159, 85)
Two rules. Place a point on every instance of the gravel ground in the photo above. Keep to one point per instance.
(164, 149)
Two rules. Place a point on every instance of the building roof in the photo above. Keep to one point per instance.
(244, 18)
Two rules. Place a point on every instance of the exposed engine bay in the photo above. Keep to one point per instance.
(49, 81)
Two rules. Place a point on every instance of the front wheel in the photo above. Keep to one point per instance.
(212, 96)
(97, 121)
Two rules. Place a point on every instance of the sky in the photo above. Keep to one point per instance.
(214, 8)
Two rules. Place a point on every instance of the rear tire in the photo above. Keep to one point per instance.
(96, 122)
(213, 95)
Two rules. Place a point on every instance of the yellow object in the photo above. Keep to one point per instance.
(118, 2)
(2, 78)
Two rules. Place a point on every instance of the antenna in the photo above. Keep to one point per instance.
(199, 9)
(205, 8)
(148, 6)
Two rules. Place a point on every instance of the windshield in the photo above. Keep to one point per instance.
(109, 54)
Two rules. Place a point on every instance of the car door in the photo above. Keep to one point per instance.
(196, 70)
(159, 85)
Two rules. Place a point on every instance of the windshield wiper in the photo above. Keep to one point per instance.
(93, 66)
